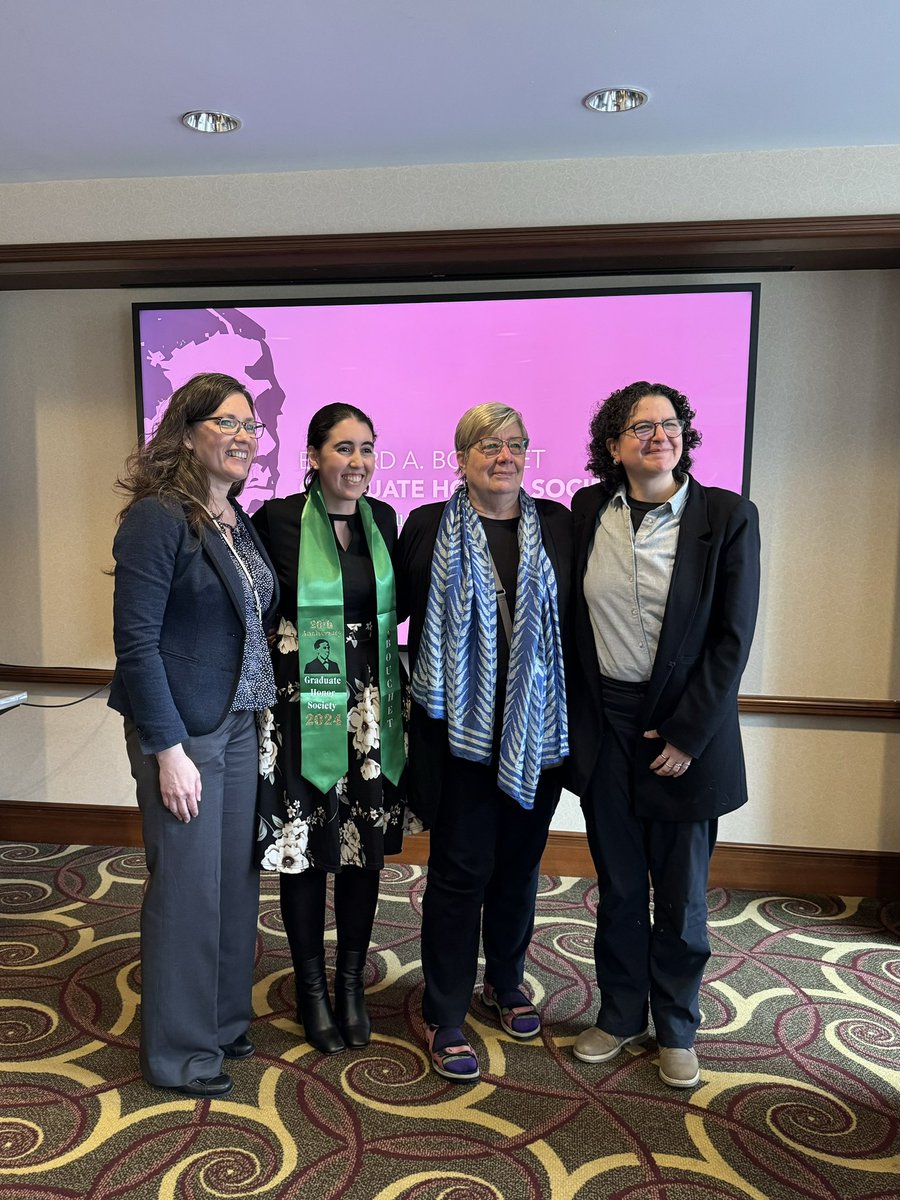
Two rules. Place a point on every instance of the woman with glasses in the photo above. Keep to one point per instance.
(485, 581)
(332, 745)
(665, 611)
(193, 590)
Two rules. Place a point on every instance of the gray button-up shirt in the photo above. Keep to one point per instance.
(626, 583)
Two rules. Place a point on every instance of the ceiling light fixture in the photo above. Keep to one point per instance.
(210, 122)
(615, 100)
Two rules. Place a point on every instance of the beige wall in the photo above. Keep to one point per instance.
(832, 181)
(824, 475)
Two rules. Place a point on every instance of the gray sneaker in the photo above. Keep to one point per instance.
(596, 1045)
(678, 1068)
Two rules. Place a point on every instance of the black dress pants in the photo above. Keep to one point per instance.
(485, 854)
(640, 962)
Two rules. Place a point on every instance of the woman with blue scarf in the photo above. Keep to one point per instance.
(484, 579)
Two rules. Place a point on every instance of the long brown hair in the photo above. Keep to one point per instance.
(164, 466)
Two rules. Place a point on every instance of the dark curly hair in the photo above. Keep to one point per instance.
(612, 416)
(164, 466)
(321, 425)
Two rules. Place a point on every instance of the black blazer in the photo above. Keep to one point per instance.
(178, 624)
(278, 524)
(412, 562)
(703, 647)
(316, 667)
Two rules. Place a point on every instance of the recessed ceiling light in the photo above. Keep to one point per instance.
(210, 122)
(615, 100)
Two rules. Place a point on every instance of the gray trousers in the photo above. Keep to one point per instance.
(201, 906)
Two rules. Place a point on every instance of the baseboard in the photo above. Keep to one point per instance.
(787, 870)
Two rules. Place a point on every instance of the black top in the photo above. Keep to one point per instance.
(503, 544)
(357, 572)
(278, 524)
(639, 510)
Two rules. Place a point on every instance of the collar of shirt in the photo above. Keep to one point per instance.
(674, 504)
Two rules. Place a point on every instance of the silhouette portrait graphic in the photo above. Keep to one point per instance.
(323, 663)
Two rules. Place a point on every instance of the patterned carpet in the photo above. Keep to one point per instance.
(800, 1049)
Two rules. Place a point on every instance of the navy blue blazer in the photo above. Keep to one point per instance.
(178, 624)
(704, 643)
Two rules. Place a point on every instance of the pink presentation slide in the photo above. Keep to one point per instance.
(416, 366)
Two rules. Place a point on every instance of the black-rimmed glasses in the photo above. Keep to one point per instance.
(232, 425)
(644, 430)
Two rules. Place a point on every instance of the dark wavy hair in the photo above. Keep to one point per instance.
(321, 425)
(612, 416)
(164, 466)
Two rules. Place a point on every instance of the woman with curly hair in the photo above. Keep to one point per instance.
(193, 589)
(332, 745)
(668, 587)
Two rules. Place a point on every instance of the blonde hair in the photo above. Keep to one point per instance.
(479, 422)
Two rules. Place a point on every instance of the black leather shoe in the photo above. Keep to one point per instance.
(314, 1006)
(350, 998)
(241, 1047)
(206, 1089)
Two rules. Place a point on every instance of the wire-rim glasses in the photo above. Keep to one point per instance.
(232, 424)
(490, 447)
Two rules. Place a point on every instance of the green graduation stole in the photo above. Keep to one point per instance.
(320, 644)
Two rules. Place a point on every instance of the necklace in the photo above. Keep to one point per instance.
(219, 519)
(222, 526)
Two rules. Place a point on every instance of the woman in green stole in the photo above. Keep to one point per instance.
(331, 748)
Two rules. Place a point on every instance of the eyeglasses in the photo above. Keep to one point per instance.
(644, 430)
(232, 425)
(491, 447)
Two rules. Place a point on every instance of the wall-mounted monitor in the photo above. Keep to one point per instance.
(415, 364)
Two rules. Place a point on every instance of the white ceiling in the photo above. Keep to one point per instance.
(95, 88)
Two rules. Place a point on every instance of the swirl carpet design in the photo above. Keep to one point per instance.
(800, 1049)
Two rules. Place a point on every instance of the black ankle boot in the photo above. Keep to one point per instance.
(349, 997)
(314, 1007)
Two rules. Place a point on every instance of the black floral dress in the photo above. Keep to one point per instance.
(363, 817)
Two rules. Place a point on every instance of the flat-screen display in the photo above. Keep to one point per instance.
(415, 364)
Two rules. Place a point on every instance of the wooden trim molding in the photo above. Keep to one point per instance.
(785, 870)
(55, 676)
(791, 706)
(814, 706)
(783, 244)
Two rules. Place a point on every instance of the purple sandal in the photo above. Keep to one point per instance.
(451, 1055)
(517, 1014)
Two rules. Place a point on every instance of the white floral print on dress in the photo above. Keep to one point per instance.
(369, 768)
(268, 751)
(351, 846)
(362, 721)
(286, 637)
(288, 852)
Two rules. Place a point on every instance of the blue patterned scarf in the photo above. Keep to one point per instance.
(455, 676)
